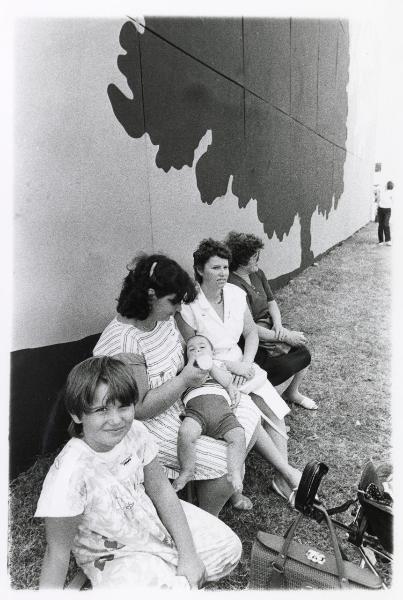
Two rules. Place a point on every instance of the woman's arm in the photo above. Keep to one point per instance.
(275, 314)
(152, 402)
(265, 334)
(155, 401)
(282, 334)
(250, 336)
(60, 533)
(243, 370)
(172, 516)
(186, 330)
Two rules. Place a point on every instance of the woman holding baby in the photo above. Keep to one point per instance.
(144, 333)
(106, 498)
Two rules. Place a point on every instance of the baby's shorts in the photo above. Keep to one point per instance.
(213, 414)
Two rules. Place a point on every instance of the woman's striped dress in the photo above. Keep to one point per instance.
(162, 352)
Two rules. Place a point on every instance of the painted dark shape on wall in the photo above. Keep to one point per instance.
(272, 92)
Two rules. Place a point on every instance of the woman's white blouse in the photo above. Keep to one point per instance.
(223, 334)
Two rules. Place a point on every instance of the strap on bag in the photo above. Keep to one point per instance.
(278, 574)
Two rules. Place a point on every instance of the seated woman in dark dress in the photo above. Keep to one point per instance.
(282, 352)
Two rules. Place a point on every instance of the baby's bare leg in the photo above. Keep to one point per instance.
(236, 453)
(189, 432)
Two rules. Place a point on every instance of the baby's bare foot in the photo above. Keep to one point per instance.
(180, 482)
(236, 481)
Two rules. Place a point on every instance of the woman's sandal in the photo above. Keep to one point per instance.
(306, 402)
(290, 499)
(244, 503)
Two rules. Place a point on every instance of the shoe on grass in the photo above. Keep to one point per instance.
(290, 499)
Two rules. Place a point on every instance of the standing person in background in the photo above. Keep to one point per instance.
(384, 199)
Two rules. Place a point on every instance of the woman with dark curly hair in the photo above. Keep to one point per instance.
(282, 352)
(144, 334)
(220, 313)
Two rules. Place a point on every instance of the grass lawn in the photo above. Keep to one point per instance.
(337, 305)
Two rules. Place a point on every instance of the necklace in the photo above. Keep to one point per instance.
(212, 298)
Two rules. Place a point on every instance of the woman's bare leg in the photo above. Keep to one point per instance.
(291, 392)
(239, 498)
(212, 494)
(281, 387)
(288, 477)
(279, 440)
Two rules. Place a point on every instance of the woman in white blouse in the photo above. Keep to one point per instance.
(220, 312)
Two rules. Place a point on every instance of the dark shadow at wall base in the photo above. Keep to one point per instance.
(282, 280)
(37, 375)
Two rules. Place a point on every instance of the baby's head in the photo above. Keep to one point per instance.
(197, 346)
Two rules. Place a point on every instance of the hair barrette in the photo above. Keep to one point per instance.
(152, 269)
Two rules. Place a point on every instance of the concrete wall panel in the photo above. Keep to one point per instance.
(266, 168)
(268, 60)
(100, 177)
(323, 179)
(214, 41)
(81, 190)
(128, 108)
(327, 78)
(342, 76)
(304, 70)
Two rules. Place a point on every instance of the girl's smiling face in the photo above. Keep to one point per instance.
(107, 423)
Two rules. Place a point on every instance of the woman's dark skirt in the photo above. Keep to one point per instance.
(281, 368)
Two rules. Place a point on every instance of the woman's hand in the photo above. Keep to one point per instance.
(279, 331)
(242, 371)
(193, 376)
(295, 338)
(191, 567)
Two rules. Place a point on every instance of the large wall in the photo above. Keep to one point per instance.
(129, 139)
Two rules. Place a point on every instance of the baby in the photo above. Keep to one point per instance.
(208, 412)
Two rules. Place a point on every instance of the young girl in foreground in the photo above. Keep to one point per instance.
(106, 498)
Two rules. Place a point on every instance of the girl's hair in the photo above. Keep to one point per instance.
(82, 381)
(389, 185)
(158, 272)
(243, 246)
(206, 250)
